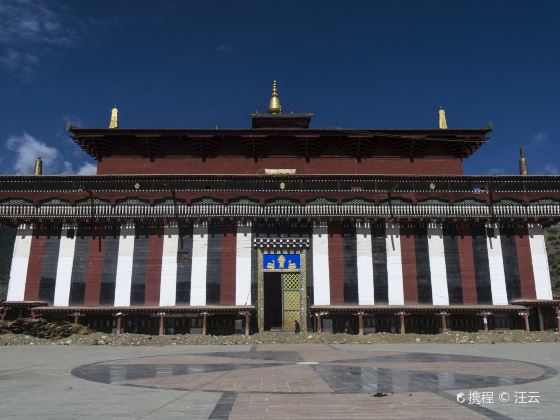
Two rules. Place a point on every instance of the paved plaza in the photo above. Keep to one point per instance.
(281, 381)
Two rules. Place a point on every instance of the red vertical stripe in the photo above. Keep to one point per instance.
(227, 271)
(408, 254)
(466, 260)
(94, 269)
(336, 263)
(35, 265)
(525, 263)
(153, 266)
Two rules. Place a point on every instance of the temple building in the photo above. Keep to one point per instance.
(223, 231)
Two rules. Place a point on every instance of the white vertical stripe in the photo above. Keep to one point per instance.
(243, 265)
(124, 265)
(540, 262)
(438, 272)
(365, 263)
(394, 264)
(199, 262)
(321, 281)
(64, 266)
(496, 264)
(20, 261)
(168, 285)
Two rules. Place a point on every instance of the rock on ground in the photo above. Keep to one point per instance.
(42, 328)
(38, 332)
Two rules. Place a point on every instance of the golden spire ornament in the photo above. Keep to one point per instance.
(114, 123)
(522, 163)
(442, 119)
(274, 106)
(38, 167)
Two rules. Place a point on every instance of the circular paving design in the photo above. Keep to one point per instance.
(326, 370)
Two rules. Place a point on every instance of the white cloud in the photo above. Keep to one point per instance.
(87, 169)
(551, 169)
(34, 21)
(496, 171)
(30, 30)
(28, 148)
(540, 137)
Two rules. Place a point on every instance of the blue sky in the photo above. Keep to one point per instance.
(370, 64)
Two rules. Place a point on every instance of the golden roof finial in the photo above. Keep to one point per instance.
(274, 106)
(38, 166)
(442, 119)
(114, 123)
(522, 163)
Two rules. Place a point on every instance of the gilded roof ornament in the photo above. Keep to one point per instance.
(274, 106)
(442, 119)
(523, 170)
(38, 166)
(114, 123)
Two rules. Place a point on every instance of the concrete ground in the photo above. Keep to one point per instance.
(281, 381)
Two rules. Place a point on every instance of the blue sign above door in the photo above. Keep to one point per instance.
(281, 261)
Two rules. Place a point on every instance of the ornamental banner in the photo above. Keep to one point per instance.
(281, 261)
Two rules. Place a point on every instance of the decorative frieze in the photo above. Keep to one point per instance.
(345, 210)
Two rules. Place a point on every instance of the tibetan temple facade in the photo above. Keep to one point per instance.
(241, 230)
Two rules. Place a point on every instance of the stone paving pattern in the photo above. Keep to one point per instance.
(275, 381)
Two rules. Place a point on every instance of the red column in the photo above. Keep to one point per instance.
(228, 259)
(360, 324)
(466, 261)
(204, 322)
(444, 321)
(336, 263)
(94, 269)
(153, 266)
(35, 265)
(408, 256)
(161, 324)
(525, 263)
(403, 327)
(526, 318)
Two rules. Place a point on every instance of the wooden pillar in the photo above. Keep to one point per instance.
(161, 324)
(403, 327)
(526, 318)
(558, 318)
(33, 314)
(204, 321)
(76, 318)
(119, 320)
(319, 326)
(443, 321)
(247, 321)
(360, 324)
(3, 314)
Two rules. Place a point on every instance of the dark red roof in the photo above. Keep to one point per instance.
(149, 142)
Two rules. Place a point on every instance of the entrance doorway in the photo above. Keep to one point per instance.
(272, 301)
(282, 301)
